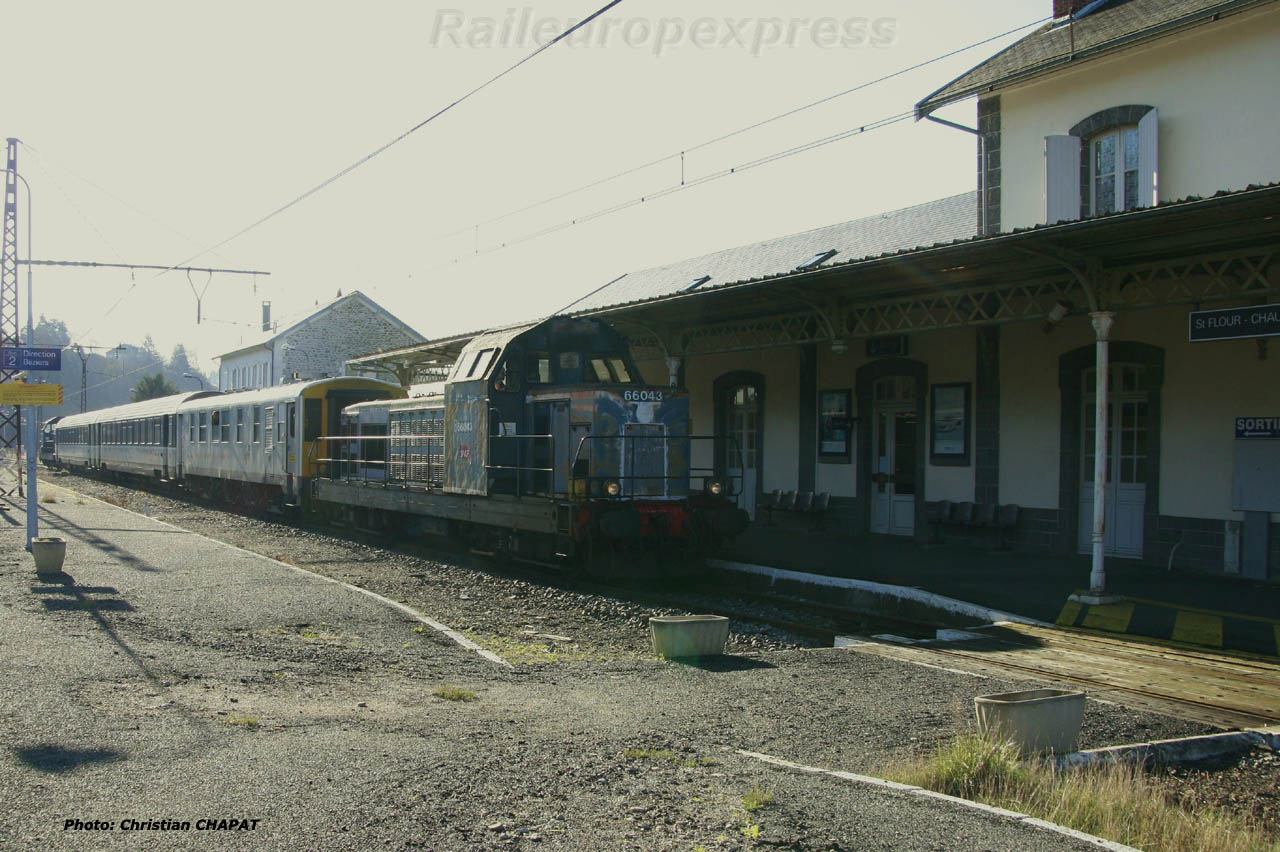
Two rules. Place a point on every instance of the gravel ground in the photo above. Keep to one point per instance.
(589, 736)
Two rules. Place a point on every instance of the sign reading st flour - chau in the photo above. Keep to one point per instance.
(1232, 323)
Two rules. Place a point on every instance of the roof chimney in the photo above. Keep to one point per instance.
(1063, 8)
(266, 316)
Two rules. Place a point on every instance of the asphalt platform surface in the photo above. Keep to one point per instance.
(166, 676)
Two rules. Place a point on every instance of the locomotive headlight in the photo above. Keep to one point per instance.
(715, 487)
(613, 488)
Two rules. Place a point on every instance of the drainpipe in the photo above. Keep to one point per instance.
(1102, 322)
(982, 171)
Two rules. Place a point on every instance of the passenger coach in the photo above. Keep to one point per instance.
(139, 439)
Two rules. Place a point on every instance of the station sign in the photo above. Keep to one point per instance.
(1234, 323)
(21, 393)
(1258, 427)
(30, 358)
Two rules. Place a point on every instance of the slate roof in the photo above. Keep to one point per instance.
(1120, 24)
(942, 221)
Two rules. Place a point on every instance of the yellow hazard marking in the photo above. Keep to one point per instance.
(1235, 615)
(1070, 611)
(1112, 617)
(1198, 628)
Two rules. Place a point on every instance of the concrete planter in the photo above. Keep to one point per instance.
(49, 554)
(1037, 719)
(688, 635)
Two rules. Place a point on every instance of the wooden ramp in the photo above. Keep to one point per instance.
(1231, 691)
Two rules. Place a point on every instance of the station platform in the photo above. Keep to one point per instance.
(1219, 612)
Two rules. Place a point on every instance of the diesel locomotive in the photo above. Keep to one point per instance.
(542, 442)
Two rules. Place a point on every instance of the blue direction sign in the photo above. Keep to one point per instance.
(30, 358)
(1232, 323)
(1258, 427)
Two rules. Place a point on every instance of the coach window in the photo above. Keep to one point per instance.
(239, 425)
(203, 437)
(191, 428)
(226, 425)
(256, 429)
(215, 427)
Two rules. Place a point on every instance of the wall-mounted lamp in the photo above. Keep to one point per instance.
(839, 347)
(1059, 311)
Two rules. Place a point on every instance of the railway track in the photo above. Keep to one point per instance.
(1227, 691)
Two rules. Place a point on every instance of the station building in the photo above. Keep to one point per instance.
(1127, 182)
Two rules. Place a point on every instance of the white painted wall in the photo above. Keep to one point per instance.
(1219, 106)
(1206, 385)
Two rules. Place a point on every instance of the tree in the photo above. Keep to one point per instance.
(150, 387)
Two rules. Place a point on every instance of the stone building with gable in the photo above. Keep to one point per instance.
(317, 346)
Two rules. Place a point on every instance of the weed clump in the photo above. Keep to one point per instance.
(1114, 801)
(454, 693)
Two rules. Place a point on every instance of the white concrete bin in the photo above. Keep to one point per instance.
(1036, 719)
(688, 635)
(49, 553)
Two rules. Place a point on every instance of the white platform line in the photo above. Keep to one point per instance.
(404, 608)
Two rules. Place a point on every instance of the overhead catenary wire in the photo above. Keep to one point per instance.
(690, 184)
(680, 155)
(406, 134)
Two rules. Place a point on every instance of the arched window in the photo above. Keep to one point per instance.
(1106, 163)
(1113, 170)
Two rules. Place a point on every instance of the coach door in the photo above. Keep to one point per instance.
(288, 437)
(1128, 434)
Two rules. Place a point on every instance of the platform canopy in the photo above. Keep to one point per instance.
(1196, 251)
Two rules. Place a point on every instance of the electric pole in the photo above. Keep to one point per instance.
(10, 415)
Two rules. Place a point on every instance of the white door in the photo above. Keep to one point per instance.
(1129, 431)
(743, 456)
(893, 475)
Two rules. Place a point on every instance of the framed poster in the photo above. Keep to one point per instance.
(949, 424)
(835, 426)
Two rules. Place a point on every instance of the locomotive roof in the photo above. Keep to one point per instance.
(418, 394)
(157, 407)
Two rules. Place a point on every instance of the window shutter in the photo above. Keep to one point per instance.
(1062, 178)
(1148, 160)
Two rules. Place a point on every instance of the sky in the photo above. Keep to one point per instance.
(153, 131)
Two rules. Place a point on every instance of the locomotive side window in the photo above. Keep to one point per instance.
(539, 368)
(599, 371)
(507, 377)
(620, 371)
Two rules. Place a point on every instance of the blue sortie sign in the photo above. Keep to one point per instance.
(30, 358)
(1258, 427)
